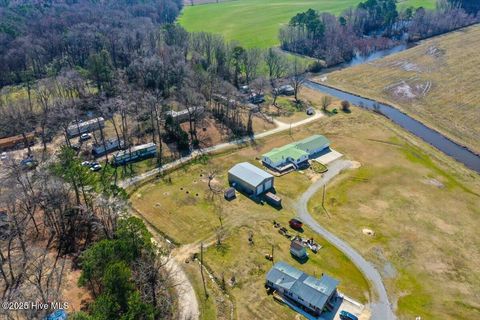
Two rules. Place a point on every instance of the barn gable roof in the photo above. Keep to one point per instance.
(249, 173)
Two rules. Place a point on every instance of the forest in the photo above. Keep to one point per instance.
(64, 62)
(372, 25)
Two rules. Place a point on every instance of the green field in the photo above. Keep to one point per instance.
(255, 23)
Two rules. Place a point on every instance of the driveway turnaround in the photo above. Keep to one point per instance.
(381, 309)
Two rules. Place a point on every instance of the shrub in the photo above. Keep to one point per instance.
(345, 106)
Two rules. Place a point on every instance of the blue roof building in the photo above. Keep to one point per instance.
(310, 292)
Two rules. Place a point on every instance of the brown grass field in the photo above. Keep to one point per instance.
(436, 82)
(422, 206)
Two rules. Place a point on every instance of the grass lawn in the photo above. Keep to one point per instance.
(183, 196)
(424, 212)
(422, 206)
(255, 23)
(249, 268)
(436, 82)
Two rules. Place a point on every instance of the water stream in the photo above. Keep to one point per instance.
(433, 137)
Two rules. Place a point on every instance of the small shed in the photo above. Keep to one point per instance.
(229, 194)
(298, 250)
(248, 178)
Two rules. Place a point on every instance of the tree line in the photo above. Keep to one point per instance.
(372, 25)
(62, 62)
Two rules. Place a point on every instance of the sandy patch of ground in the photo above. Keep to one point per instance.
(433, 182)
(368, 232)
(76, 296)
(409, 89)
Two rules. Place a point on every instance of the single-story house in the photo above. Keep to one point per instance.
(298, 250)
(294, 154)
(284, 157)
(312, 293)
(250, 179)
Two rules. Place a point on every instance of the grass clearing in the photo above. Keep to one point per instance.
(435, 82)
(249, 268)
(422, 206)
(255, 23)
(424, 213)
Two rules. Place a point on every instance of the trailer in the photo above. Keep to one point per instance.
(17, 141)
(76, 129)
(134, 154)
(110, 145)
(183, 115)
(273, 199)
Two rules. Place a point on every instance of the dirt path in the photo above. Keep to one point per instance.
(187, 300)
(381, 309)
(281, 126)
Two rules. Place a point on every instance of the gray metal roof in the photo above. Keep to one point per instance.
(135, 148)
(312, 290)
(249, 173)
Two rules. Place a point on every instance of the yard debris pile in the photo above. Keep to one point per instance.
(310, 243)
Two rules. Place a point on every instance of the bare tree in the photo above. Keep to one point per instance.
(251, 63)
(326, 101)
(276, 64)
(297, 77)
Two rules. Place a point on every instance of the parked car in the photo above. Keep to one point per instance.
(28, 163)
(345, 315)
(85, 137)
(310, 111)
(96, 167)
(256, 98)
(3, 156)
(86, 163)
(295, 224)
(245, 89)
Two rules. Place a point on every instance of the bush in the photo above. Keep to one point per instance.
(345, 106)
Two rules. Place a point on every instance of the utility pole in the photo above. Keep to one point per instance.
(273, 247)
(201, 270)
(323, 196)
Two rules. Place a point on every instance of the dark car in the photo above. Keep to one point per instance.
(295, 224)
(345, 315)
(28, 163)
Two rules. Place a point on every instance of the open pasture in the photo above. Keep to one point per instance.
(255, 23)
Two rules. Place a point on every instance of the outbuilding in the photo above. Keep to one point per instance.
(248, 178)
(298, 250)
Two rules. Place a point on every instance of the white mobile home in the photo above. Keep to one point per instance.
(77, 129)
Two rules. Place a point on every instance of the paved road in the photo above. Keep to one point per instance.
(381, 309)
(281, 126)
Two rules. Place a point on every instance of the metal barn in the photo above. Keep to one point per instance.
(250, 179)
